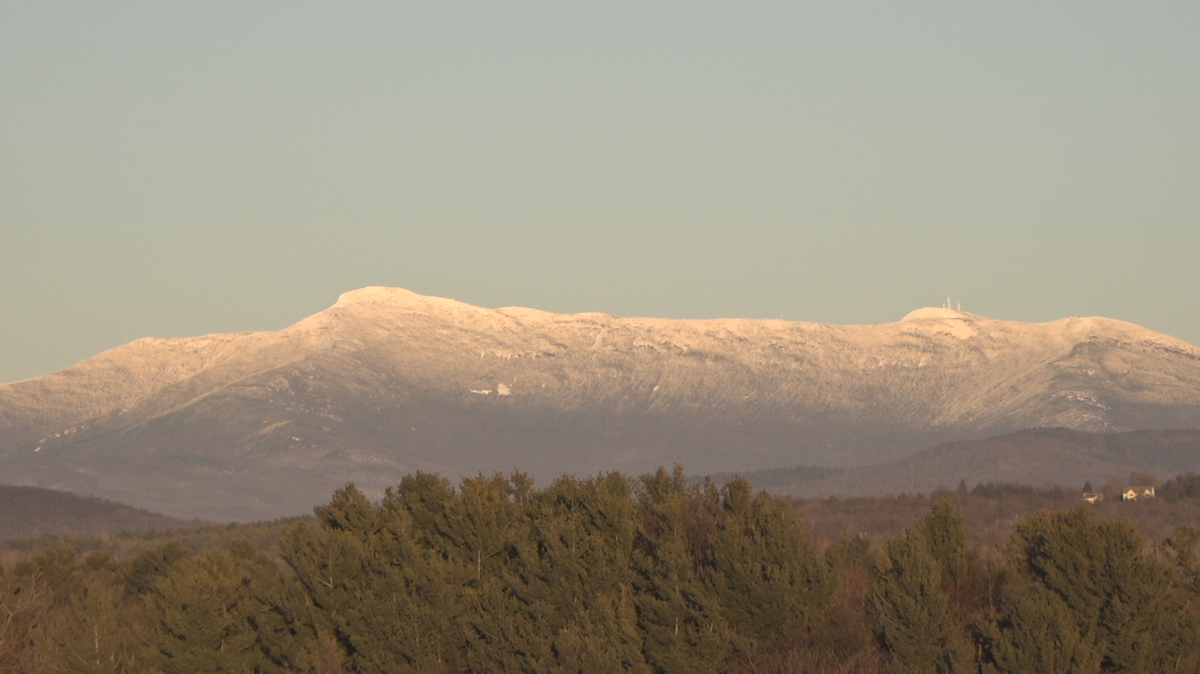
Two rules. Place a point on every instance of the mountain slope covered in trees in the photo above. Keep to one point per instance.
(1032, 457)
(26, 512)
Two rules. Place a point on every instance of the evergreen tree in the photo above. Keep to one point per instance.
(577, 560)
(1180, 549)
(144, 570)
(561, 602)
(1102, 577)
(679, 617)
(945, 532)
(1036, 632)
(762, 566)
(390, 604)
(223, 611)
(913, 572)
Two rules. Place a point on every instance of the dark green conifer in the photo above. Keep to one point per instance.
(144, 570)
(226, 610)
(1035, 632)
(678, 615)
(1116, 592)
(762, 566)
(390, 603)
(945, 532)
(913, 575)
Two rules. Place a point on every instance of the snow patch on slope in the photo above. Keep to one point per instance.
(934, 312)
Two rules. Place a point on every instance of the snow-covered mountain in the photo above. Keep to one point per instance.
(387, 382)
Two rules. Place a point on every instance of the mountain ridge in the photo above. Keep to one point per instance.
(386, 381)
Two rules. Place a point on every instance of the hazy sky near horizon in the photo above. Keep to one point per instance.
(176, 169)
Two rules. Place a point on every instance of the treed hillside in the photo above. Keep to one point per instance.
(1032, 457)
(613, 574)
(26, 512)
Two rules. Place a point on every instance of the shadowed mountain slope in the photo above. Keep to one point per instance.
(385, 382)
(26, 512)
(1034, 457)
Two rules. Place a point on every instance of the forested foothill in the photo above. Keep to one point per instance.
(617, 574)
(30, 512)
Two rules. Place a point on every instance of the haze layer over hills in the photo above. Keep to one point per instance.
(1036, 456)
(386, 382)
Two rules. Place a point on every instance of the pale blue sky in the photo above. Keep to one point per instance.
(175, 169)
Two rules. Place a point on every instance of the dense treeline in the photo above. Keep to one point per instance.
(264, 535)
(612, 574)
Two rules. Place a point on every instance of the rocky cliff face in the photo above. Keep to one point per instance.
(387, 382)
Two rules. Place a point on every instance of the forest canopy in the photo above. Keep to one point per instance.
(612, 574)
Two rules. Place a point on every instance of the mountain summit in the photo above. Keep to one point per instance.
(387, 381)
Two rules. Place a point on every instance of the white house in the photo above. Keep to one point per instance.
(1134, 493)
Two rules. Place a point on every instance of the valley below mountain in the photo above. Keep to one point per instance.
(387, 382)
